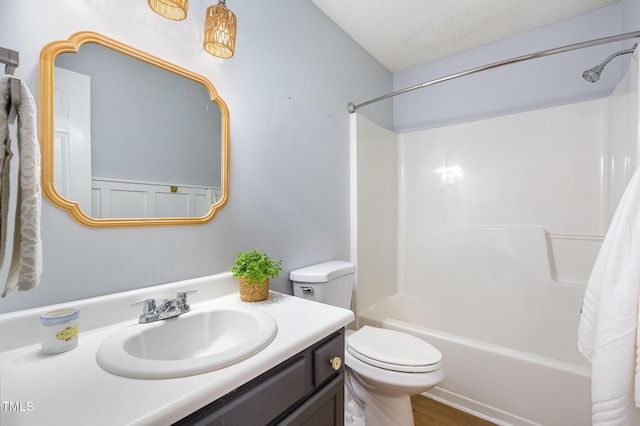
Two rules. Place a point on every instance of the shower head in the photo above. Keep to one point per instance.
(593, 74)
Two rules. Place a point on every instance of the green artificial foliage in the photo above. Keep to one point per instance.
(255, 266)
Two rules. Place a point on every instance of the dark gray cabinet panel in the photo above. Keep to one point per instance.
(267, 400)
(303, 390)
(322, 357)
(324, 408)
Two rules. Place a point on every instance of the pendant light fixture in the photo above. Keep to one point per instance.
(220, 30)
(176, 10)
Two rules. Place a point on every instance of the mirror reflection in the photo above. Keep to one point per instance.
(135, 140)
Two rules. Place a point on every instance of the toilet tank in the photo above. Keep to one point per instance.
(329, 282)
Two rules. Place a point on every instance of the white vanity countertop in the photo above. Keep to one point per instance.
(72, 389)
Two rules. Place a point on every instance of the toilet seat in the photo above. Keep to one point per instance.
(393, 350)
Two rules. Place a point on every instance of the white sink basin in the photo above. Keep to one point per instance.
(203, 340)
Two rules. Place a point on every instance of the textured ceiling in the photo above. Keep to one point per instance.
(401, 34)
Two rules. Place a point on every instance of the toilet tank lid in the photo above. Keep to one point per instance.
(322, 272)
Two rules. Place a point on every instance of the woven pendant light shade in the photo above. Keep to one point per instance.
(220, 31)
(176, 10)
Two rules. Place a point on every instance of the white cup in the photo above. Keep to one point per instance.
(59, 330)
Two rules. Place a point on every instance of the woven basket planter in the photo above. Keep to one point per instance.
(253, 292)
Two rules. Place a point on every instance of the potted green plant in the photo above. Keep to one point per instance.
(253, 270)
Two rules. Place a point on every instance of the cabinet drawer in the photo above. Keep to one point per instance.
(323, 369)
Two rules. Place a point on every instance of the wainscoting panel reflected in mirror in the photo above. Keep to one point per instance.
(129, 139)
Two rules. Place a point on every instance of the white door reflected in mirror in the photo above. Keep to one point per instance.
(72, 137)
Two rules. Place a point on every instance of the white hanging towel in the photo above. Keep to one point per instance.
(26, 257)
(608, 329)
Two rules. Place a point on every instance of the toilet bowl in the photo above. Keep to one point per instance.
(383, 367)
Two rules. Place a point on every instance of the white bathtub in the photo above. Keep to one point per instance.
(500, 384)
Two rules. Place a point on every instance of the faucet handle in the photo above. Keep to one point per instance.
(149, 305)
(181, 300)
(148, 312)
(181, 297)
(183, 294)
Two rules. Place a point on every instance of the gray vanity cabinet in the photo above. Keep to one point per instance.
(306, 389)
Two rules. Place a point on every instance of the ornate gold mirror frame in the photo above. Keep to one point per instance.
(46, 116)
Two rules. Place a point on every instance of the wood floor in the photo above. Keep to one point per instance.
(427, 412)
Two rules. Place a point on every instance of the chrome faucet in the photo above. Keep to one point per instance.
(168, 309)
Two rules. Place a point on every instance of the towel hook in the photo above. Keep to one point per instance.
(10, 58)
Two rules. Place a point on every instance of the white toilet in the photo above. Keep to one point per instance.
(384, 367)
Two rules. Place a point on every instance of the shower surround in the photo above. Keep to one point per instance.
(484, 234)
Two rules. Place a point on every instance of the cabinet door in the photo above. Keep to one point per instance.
(307, 389)
(258, 403)
(325, 408)
(266, 401)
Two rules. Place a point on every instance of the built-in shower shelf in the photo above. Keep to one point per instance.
(513, 252)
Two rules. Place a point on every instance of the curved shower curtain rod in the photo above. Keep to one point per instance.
(353, 107)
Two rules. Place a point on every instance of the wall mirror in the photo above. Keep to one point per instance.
(129, 139)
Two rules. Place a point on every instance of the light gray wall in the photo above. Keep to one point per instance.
(538, 83)
(287, 88)
(147, 124)
(630, 15)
